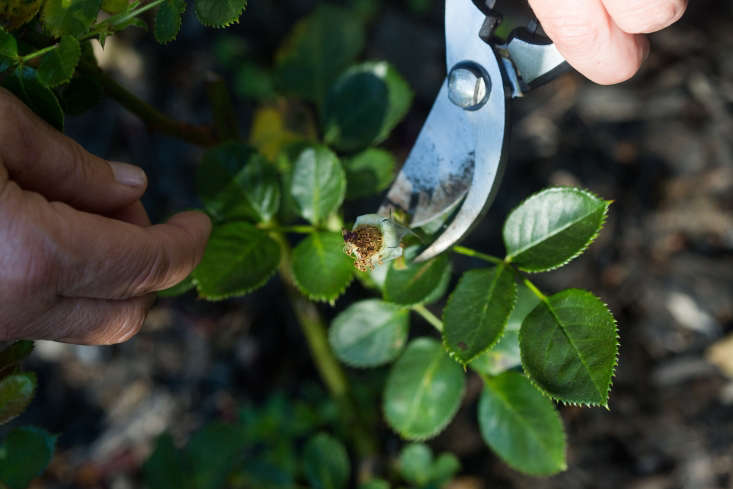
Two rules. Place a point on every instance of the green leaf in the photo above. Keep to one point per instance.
(17, 13)
(15, 353)
(317, 50)
(423, 390)
(238, 259)
(168, 20)
(321, 269)
(444, 469)
(167, 467)
(115, 6)
(8, 45)
(179, 289)
(369, 172)
(318, 183)
(70, 17)
(58, 66)
(569, 347)
(16, 392)
(24, 454)
(552, 227)
(236, 182)
(214, 452)
(219, 13)
(369, 333)
(419, 283)
(364, 105)
(478, 310)
(415, 462)
(503, 356)
(41, 100)
(326, 463)
(521, 425)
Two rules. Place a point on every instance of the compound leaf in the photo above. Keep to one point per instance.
(58, 66)
(318, 49)
(419, 283)
(326, 463)
(369, 172)
(569, 347)
(238, 259)
(521, 425)
(477, 311)
(423, 390)
(369, 333)
(219, 13)
(236, 182)
(364, 105)
(70, 17)
(24, 454)
(16, 392)
(318, 183)
(552, 227)
(321, 269)
(168, 20)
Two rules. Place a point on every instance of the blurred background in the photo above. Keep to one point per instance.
(660, 146)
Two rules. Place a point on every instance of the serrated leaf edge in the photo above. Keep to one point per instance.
(346, 362)
(451, 352)
(178, 30)
(571, 402)
(320, 297)
(583, 248)
(77, 54)
(227, 23)
(438, 429)
(443, 281)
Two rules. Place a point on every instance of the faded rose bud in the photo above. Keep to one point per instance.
(374, 240)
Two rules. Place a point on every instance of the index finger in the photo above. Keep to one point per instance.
(590, 40)
(103, 258)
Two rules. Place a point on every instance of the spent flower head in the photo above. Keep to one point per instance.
(374, 240)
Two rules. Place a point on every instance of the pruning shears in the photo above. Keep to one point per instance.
(452, 174)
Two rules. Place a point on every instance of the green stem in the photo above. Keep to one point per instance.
(152, 117)
(330, 370)
(428, 316)
(476, 254)
(534, 289)
(120, 19)
(36, 54)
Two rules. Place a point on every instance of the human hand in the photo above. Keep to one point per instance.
(79, 260)
(604, 39)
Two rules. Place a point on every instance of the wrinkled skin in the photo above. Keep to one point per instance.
(79, 260)
(605, 39)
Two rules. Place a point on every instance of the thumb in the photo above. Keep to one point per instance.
(40, 159)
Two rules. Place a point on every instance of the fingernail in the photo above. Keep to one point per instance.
(129, 175)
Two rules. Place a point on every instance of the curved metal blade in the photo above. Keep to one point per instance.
(458, 154)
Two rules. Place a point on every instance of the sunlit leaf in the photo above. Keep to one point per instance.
(423, 390)
(552, 227)
(477, 311)
(569, 347)
(521, 425)
(321, 269)
(318, 183)
(238, 259)
(369, 333)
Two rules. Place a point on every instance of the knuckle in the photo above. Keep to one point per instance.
(156, 269)
(572, 32)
